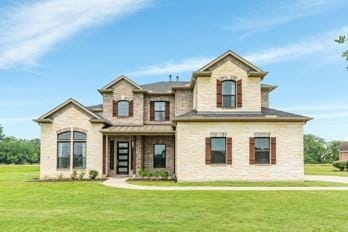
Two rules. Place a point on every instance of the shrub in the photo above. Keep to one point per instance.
(74, 175)
(341, 165)
(93, 174)
(142, 173)
(60, 176)
(81, 175)
(164, 174)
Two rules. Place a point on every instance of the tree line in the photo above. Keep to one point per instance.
(18, 151)
(22, 151)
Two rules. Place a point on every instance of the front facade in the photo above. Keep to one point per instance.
(218, 126)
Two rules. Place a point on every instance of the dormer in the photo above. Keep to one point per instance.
(228, 83)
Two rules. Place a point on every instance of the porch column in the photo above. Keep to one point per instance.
(138, 154)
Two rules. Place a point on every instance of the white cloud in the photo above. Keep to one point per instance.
(323, 43)
(29, 30)
(171, 67)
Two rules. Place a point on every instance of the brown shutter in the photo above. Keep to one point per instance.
(207, 151)
(152, 111)
(167, 110)
(273, 150)
(251, 150)
(239, 94)
(131, 105)
(229, 150)
(114, 108)
(218, 93)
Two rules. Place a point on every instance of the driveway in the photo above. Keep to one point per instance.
(121, 183)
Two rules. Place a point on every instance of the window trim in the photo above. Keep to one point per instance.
(211, 150)
(154, 111)
(269, 151)
(165, 155)
(59, 141)
(122, 116)
(230, 95)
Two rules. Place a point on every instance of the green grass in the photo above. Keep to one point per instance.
(90, 206)
(239, 183)
(323, 169)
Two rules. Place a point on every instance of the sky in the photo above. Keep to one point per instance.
(57, 49)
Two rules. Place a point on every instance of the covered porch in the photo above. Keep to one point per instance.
(129, 149)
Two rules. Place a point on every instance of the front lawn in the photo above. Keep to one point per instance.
(323, 169)
(239, 183)
(90, 206)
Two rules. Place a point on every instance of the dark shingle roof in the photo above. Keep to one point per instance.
(95, 107)
(344, 146)
(163, 86)
(266, 113)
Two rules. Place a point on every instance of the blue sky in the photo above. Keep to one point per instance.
(53, 50)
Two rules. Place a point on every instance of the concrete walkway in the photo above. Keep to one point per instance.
(121, 183)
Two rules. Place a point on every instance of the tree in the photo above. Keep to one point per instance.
(2, 136)
(341, 40)
(314, 149)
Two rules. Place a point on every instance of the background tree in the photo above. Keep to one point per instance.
(2, 136)
(341, 40)
(314, 149)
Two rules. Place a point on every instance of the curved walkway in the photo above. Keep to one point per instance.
(121, 183)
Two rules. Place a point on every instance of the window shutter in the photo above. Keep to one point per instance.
(218, 93)
(152, 111)
(167, 110)
(207, 151)
(239, 94)
(131, 108)
(273, 150)
(114, 108)
(251, 150)
(229, 150)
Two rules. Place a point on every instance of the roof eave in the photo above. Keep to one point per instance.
(243, 119)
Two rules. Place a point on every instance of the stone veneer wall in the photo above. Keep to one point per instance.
(148, 98)
(123, 90)
(68, 119)
(264, 98)
(228, 68)
(190, 151)
(149, 141)
(183, 101)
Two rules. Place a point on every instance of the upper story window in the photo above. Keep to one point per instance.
(160, 111)
(262, 150)
(218, 150)
(63, 150)
(123, 108)
(229, 94)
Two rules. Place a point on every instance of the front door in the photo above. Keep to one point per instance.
(122, 157)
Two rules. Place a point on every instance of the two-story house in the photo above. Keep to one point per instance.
(218, 126)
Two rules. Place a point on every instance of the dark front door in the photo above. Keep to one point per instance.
(122, 157)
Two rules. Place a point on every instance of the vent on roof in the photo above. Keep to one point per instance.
(177, 78)
(170, 78)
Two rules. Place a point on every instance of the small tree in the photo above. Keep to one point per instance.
(341, 40)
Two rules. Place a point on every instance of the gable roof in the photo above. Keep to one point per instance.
(122, 77)
(45, 117)
(344, 146)
(163, 86)
(253, 67)
(266, 114)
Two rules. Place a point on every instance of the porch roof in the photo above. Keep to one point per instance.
(140, 130)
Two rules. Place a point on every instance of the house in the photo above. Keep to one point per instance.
(217, 126)
(343, 152)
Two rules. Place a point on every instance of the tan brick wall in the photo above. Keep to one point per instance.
(149, 141)
(122, 90)
(183, 101)
(228, 68)
(149, 98)
(343, 155)
(69, 117)
(190, 152)
(264, 98)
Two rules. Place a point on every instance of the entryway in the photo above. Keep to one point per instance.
(122, 158)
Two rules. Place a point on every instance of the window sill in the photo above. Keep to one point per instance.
(219, 165)
(262, 165)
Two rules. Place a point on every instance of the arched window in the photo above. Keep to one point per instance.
(122, 108)
(79, 157)
(63, 150)
(229, 94)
